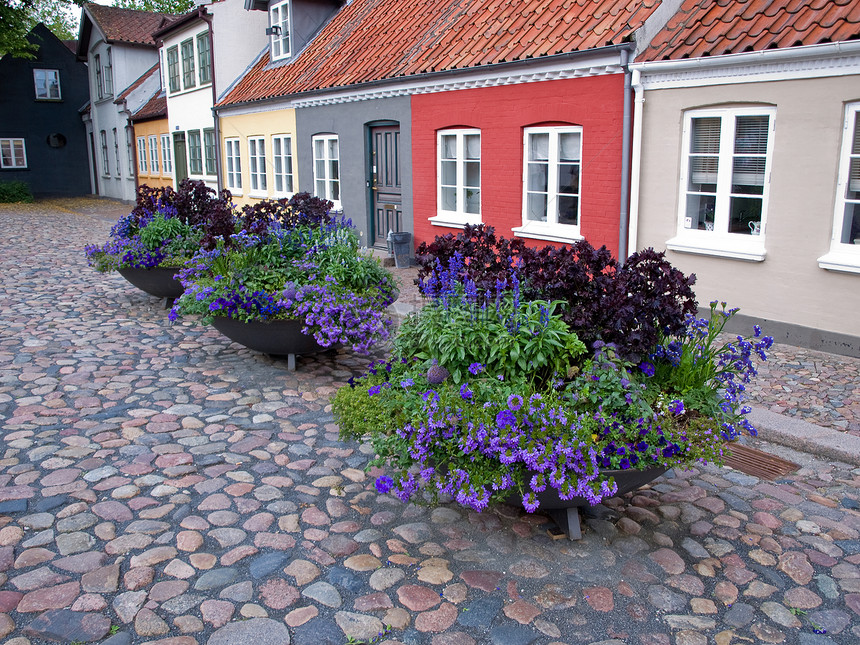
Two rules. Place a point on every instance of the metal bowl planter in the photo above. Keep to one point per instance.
(158, 281)
(274, 337)
(565, 512)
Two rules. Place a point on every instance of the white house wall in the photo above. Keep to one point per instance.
(788, 286)
(238, 38)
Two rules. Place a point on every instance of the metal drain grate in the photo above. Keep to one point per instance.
(755, 462)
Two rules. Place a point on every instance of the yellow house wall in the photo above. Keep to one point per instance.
(257, 124)
(155, 127)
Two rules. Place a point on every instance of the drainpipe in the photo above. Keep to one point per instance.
(625, 160)
(636, 163)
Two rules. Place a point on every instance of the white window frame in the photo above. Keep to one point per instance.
(209, 160)
(116, 153)
(204, 62)
(129, 149)
(189, 70)
(105, 157)
(107, 75)
(233, 165)
(719, 241)
(166, 155)
(845, 256)
(326, 185)
(257, 166)
(153, 155)
(8, 158)
(142, 167)
(194, 141)
(459, 217)
(551, 229)
(282, 165)
(174, 75)
(42, 82)
(279, 18)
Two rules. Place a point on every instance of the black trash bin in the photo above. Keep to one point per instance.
(402, 246)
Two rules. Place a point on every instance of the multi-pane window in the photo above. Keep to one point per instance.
(844, 252)
(283, 164)
(166, 155)
(47, 82)
(116, 154)
(13, 153)
(204, 64)
(173, 68)
(552, 175)
(195, 153)
(459, 174)
(105, 159)
(188, 79)
(257, 163)
(108, 75)
(97, 65)
(141, 155)
(726, 171)
(129, 149)
(279, 15)
(234, 164)
(209, 150)
(327, 168)
(153, 154)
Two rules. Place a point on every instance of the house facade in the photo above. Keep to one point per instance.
(153, 145)
(200, 54)
(119, 50)
(42, 140)
(414, 117)
(748, 158)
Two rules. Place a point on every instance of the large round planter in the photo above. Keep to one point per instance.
(275, 337)
(158, 282)
(565, 512)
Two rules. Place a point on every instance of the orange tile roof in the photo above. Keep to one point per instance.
(371, 40)
(126, 25)
(154, 108)
(716, 27)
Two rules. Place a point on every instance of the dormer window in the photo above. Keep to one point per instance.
(279, 19)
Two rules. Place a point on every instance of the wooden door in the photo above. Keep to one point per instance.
(180, 158)
(385, 189)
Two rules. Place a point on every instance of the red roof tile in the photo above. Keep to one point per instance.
(371, 40)
(154, 108)
(715, 27)
(126, 25)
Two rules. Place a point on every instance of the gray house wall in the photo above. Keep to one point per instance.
(351, 123)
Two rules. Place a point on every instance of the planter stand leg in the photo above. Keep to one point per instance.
(568, 521)
(291, 362)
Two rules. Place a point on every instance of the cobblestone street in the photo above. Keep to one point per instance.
(160, 484)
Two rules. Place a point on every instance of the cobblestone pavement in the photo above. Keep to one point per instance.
(159, 484)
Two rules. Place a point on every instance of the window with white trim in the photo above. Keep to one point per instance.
(552, 173)
(141, 155)
(725, 177)
(257, 163)
(129, 149)
(108, 75)
(188, 79)
(204, 63)
(13, 153)
(47, 82)
(283, 164)
(166, 155)
(116, 154)
(458, 172)
(233, 162)
(209, 150)
(279, 21)
(327, 168)
(153, 154)
(195, 153)
(844, 252)
(105, 159)
(173, 68)
(97, 67)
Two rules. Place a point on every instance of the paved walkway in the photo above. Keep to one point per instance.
(159, 484)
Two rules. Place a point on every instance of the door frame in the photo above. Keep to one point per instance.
(177, 137)
(368, 162)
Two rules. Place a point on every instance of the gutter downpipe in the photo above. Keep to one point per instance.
(625, 159)
(636, 162)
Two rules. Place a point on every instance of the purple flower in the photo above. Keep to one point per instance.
(676, 407)
(384, 484)
(376, 389)
(505, 418)
(647, 368)
(515, 402)
(405, 383)
(475, 369)
(465, 392)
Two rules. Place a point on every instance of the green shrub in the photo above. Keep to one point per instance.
(12, 192)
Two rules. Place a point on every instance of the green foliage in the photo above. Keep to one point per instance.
(15, 191)
(18, 17)
(160, 6)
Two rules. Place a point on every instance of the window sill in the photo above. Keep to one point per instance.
(452, 220)
(549, 233)
(720, 247)
(236, 192)
(44, 100)
(842, 261)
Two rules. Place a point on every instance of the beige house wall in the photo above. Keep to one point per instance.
(155, 127)
(788, 286)
(258, 124)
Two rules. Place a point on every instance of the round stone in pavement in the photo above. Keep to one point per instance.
(317, 632)
(481, 612)
(257, 631)
(263, 565)
(69, 626)
(512, 635)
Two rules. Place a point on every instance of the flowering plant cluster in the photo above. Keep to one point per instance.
(279, 263)
(490, 394)
(165, 229)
